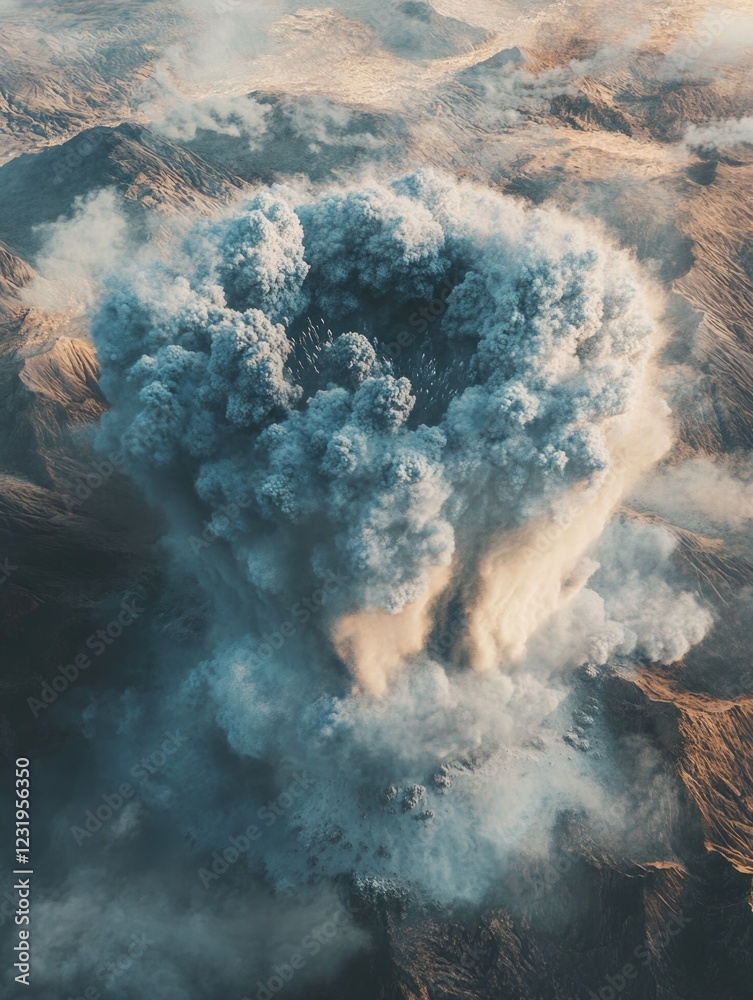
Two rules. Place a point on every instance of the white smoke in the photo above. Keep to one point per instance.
(178, 115)
(721, 134)
(77, 254)
(702, 494)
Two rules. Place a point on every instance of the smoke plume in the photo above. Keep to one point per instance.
(408, 550)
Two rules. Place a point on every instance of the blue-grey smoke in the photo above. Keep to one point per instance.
(337, 502)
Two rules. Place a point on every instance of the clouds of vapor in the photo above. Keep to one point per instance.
(326, 123)
(226, 38)
(712, 46)
(643, 611)
(702, 494)
(173, 113)
(167, 941)
(506, 80)
(719, 38)
(77, 253)
(360, 498)
(718, 135)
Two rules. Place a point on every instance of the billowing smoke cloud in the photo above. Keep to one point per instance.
(643, 611)
(403, 545)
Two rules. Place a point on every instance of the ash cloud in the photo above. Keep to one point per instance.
(407, 558)
(544, 351)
